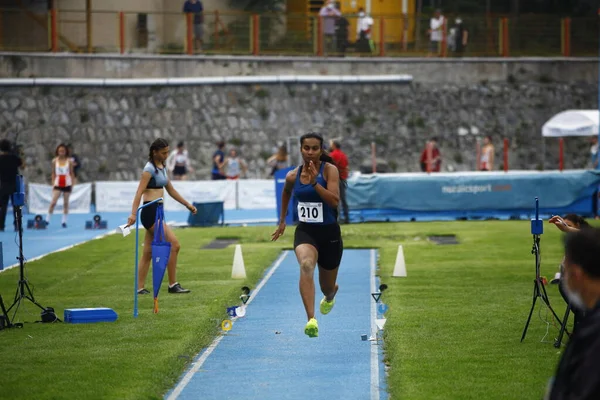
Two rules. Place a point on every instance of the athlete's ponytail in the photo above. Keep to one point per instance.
(326, 157)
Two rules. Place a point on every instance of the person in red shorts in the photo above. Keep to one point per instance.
(63, 178)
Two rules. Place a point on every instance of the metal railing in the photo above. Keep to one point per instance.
(291, 34)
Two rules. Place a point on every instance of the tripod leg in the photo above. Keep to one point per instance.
(17, 298)
(29, 296)
(563, 327)
(546, 300)
(536, 293)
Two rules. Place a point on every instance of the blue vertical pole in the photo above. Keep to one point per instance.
(137, 247)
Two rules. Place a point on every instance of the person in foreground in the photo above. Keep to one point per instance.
(317, 239)
(568, 223)
(154, 179)
(577, 373)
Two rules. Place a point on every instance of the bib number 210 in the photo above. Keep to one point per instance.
(310, 212)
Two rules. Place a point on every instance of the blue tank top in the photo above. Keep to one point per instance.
(311, 207)
(215, 169)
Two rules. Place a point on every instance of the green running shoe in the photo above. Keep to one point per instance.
(312, 328)
(326, 306)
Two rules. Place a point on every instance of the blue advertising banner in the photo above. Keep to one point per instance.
(292, 213)
(488, 192)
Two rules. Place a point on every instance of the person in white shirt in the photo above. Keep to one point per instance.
(436, 28)
(235, 166)
(363, 31)
(178, 163)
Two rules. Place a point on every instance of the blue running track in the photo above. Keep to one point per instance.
(37, 243)
(267, 356)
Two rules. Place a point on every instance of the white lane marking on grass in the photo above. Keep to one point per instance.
(110, 232)
(198, 364)
(374, 346)
(28, 260)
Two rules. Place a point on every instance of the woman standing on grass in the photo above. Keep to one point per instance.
(317, 239)
(154, 179)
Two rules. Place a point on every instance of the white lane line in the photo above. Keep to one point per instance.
(374, 346)
(198, 364)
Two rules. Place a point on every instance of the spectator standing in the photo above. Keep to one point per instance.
(363, 32)
(195, 7)
(486, 161)
(329, 14)
(178, 163)
(341, 32)
(236, 167)
(461, 37)
(9, 169)
(594, 152)
(63, 180)
(436, 157)
(436, 27)
(75, 161)
(341, 162)
(218, 162)
(278, 160)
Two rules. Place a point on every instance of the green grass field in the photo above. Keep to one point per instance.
(453, 331)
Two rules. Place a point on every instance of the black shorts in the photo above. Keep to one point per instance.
(148, 215)
(66, 189)
(327, 239)
(218, 177)
(179, 171)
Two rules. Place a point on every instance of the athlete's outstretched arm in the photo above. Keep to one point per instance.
(290, 178)
(177, 197)
(331, 193)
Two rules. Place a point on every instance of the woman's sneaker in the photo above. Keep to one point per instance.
(312, 328)
(326, 306)
(143, 291)
(176, 288)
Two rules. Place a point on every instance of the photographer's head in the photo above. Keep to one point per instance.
(581, 277)
(576, 221)
(5, 146)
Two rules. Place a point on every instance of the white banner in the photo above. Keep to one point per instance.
(115, 196)
(242, 194)
(202, 192)
(40, 196)
(256, 193)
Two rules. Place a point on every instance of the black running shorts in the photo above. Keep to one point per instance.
(148, 215)
(327, 239)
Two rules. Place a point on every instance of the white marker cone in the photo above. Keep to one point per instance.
(238, 271)
(400, 267)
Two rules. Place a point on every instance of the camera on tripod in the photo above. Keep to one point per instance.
(23, 290)
(539, 289)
